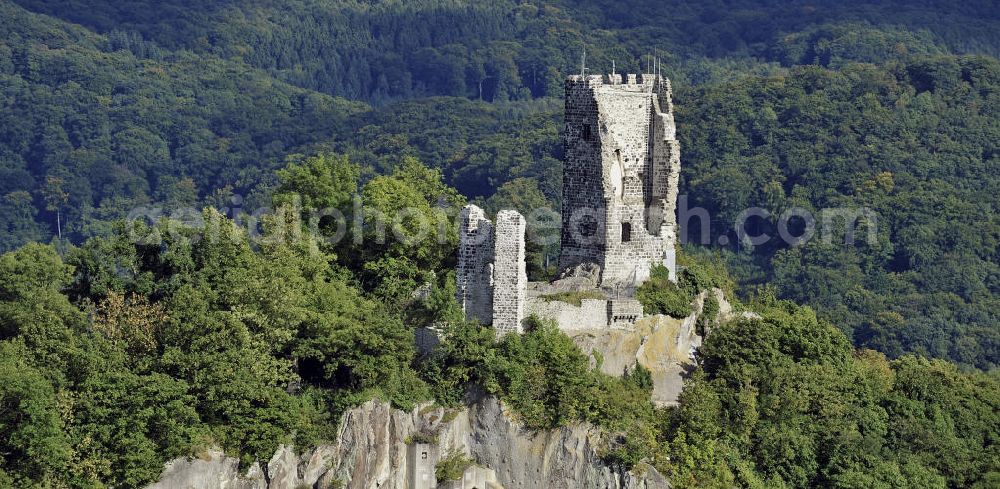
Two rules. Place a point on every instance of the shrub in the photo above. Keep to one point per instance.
(420, 437)
(709, 314)
(452, 466)
(659, 295)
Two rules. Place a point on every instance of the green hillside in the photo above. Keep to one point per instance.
(872, 364)
(90, 131)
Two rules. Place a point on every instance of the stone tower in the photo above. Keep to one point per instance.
(620, 177)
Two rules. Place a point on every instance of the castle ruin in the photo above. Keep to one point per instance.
(620, 183)
(620, 176)
(492, 279)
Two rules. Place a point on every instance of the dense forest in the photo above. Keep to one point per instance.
(126, 353)
(118, 354)
(386, 50)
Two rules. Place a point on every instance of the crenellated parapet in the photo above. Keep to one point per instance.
(640, 81)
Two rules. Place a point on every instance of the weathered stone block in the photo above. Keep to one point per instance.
(492, 278)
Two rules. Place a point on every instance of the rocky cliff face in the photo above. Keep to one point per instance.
(662, 344)
(371, 452)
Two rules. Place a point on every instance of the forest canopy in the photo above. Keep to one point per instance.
(871, 364)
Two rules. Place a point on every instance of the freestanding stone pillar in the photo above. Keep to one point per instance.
(510, 278)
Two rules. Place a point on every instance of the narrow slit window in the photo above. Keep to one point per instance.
(626, 232)
(586, 132)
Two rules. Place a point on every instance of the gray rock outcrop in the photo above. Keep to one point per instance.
(371, 452)
(209, 469)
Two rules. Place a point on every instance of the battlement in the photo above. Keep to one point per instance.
(630, 85)
(642, 81)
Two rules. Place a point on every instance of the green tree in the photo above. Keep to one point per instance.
(55, 199)
(36, 450)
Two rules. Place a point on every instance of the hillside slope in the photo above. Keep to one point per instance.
(89, 130)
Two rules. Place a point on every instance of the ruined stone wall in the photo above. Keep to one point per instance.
(620, 182)
(510, 277)
(583, 193)
(492, 278)
(624, 312)
(666, 174)
(591, 314)
(622, 165)
(474, 274)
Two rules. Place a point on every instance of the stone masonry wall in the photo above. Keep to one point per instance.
(492, 278)
(474, 274)
(620, 184)
(624, 312)
(622, 166)
(510, 277)
(583, 193)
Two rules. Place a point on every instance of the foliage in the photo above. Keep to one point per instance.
(509, 50)
(548, 382)
(198, 340)
(659, 295)
(459, 361)
(409, 230)
(452, 466)
(543, 224)
(157, 340)
(784, 399)
(90, 133)
(150, 107)
(860, 142)
(696, 274)
(420, 437)
(709, 315)
(543, 375)
(130, 324)
(779, 398)
(323, 181)
(35, 445)
(401, 233)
